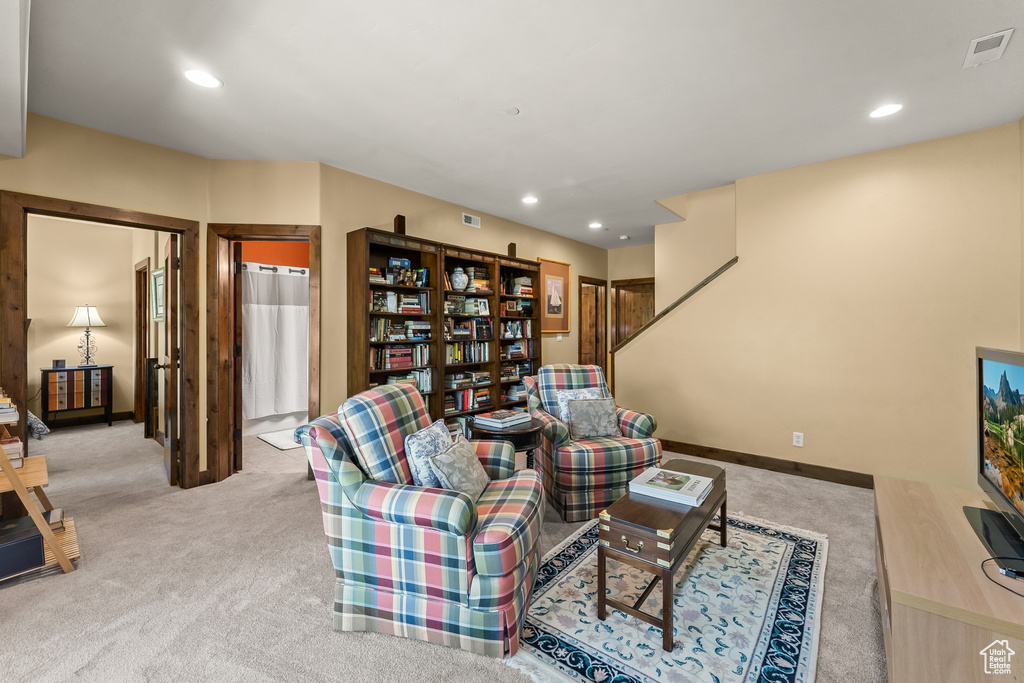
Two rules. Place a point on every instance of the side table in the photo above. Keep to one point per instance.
(525, 436)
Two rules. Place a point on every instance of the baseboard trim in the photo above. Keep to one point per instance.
(78, 421)
(800, 469)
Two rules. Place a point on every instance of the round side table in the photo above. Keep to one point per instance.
(525, 436)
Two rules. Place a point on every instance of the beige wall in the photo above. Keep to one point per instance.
(84, 165)
(631, 262)
(72, 264)
(350, 202)
(863, 286)
(690, 250)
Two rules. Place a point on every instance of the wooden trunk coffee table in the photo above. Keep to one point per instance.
(656, 536)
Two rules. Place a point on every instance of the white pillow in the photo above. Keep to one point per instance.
(565, 395)
(420, 446)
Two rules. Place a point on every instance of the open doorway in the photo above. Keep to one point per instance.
(15, 212)
(274, 339)
(226, 278)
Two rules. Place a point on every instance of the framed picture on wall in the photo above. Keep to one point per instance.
(156, 304)
(556, 292)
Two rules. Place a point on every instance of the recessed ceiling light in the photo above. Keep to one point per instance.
(886, 110)
(623, 237)
(595, 224)
(512, 111)
(529, 199)
(204, 79)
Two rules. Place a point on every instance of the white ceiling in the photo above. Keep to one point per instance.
(622, 103)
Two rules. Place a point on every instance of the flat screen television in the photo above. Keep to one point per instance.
(1001, 456)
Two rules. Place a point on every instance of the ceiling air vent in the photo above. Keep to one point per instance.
(470, 220)
(987, 48)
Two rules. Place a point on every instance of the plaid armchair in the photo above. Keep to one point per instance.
(583, 477)
(423, 563)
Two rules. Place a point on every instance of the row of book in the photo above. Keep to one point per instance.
(520, 349)
(471, 328)
(462, 305)
(514, 392)
(397, 302)
(467, 352)
(399, 356)
(8, 411)
(466, 399)
(422, 379)
(517, 329)
(400, 272)
(516, 286)
(461, 380)
(385, 329)
(517, 370)
(516, 308)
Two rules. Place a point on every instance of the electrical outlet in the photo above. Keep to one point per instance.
(798, 439)
(558, 338)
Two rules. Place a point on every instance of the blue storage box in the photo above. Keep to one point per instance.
(21, 547)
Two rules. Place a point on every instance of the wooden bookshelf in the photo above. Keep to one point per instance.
(371, 248)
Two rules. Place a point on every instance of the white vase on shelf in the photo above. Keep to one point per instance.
(459, 279)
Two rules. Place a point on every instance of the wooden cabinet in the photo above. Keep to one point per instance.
(938, 610)
(468, 328)
(77, 388)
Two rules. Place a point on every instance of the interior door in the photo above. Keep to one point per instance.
(171, 364)
(236, 365)
(632, 307)
(592, 338)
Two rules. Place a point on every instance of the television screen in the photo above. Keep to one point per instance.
(1003, 429)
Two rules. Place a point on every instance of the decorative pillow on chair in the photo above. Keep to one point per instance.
(420, 446)
(593, 417)
(565, 395)
(459, 469)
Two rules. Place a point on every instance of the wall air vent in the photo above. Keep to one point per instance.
(987, 48)
(470, 220)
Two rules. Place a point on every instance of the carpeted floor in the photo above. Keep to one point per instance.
(232, 582)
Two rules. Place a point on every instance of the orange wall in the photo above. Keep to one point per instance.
(294, 254)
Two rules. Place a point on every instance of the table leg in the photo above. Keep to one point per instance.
(667, 640)
(601, 609)
(722, 523)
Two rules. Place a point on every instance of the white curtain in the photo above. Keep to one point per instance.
(275, 337)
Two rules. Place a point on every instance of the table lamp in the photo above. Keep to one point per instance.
(86, 316)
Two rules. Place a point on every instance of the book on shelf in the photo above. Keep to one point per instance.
(676, 487)
(55, 518)
(500, 419)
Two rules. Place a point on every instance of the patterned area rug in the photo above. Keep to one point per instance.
(748, 612)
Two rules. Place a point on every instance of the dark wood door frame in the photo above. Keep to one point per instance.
(220, 323)
(15, 208)
(601, 324)
(141, 338)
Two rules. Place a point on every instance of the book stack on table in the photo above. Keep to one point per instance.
(8, 411)
(671, 486)
(13, 449)
(501, 419)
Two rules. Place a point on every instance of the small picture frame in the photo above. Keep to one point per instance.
(58, 363)
(156, 306)
(483, 307)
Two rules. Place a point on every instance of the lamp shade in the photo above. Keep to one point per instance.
(86, 316)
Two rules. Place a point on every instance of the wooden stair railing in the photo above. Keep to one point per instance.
(668, 309)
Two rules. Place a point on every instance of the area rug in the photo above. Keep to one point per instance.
(748, 612)
(282, 440)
